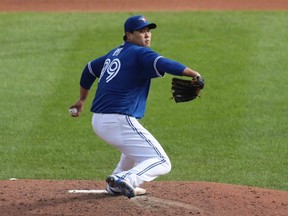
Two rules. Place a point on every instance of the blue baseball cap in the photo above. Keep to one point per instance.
(138, 22)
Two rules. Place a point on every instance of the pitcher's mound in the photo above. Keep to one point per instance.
(45, 197)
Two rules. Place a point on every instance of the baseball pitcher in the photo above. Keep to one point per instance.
(124, 75)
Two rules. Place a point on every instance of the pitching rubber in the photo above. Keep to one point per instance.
(88, 191)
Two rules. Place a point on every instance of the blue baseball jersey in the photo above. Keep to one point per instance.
(124, 76)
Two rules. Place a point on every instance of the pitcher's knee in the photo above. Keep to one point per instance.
(167, 166)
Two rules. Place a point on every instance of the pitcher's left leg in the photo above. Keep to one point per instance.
(141, 146)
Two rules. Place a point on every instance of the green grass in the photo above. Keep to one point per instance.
(235, 133)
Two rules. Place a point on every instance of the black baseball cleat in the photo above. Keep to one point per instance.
(114, 191)
(126, 189)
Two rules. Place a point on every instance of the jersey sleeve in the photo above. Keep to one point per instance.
(158, 65)
(170, 66)
(148, 59)
(91, 71)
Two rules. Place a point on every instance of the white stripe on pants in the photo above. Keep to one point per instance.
(143, 159)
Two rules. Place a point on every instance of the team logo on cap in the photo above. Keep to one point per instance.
(143, 19)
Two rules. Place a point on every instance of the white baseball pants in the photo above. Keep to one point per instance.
(143, 159)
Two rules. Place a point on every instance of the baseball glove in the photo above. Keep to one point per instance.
(186, 90)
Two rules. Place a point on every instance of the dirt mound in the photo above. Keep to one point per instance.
(45, 197)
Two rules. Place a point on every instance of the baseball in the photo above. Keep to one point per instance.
(73, 111)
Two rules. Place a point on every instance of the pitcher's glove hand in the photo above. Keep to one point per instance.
(186, 90)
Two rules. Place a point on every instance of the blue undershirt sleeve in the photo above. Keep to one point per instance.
(87, 79)
(170, 66)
